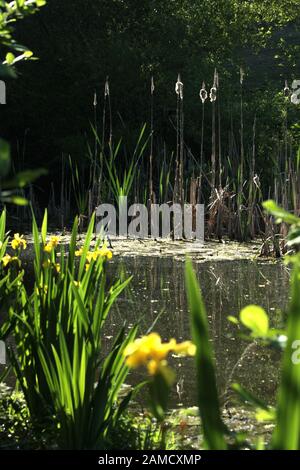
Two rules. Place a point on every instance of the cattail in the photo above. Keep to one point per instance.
(213, 94)
(93, 167)
(213, 97)
(203, 93)
(95, 100)
(107, 95)
(179, 87)
(151, 192)
(152, 86)
(203, 96)
(178, 184)
(286, 93)
(213, 90)
(240, 198)
(242, 75)
(106, 88)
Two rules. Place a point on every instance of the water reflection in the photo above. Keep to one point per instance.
(156, 298)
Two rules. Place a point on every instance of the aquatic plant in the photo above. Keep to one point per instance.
(56, 325)
(150, 352)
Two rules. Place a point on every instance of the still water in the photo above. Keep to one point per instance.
(156, 299)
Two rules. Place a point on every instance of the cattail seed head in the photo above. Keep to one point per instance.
(152, 85)
(179, 87)
(242, 75)
(213, 94)
(213, 90)
(106, 88)
(203, 93)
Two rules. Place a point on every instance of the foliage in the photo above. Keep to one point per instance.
(286, 414)
(58, 355)
(17, 431)
(9, 186)
(121, 186)
(281, 215)
(57, 327)
(124, 41)
(10, 12)
(151, 352)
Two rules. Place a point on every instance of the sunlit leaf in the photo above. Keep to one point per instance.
(280, 214)
(233, 319)
(256, 319)
(10, 57)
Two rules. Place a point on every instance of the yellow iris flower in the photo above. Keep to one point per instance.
(54, 241)
(103, 252)
(57, 267)
(18, 242)
(151, 352)
(7, 259)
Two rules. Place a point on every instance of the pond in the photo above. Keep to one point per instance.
(156, 299)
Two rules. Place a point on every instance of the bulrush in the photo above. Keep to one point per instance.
(203, 93)
(179, 87)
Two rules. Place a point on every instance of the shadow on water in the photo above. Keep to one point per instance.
(157, 296)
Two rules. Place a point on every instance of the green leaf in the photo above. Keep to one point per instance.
(159, 391)
(287, 432)
(208, 400)
(233, 319)
(4, 158)
(256, 319)
(265, 415)
(44, 227)
(23, 178)
(280, 214)
(10, 57)
(17, 200)
(28, 54)
(7, 72)
(293, 236)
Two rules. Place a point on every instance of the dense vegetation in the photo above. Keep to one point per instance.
(71, 387)
(158, 101)
(94, 76)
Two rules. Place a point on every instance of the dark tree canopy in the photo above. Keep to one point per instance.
(80, 43)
